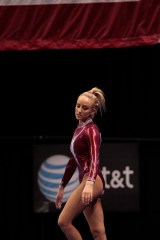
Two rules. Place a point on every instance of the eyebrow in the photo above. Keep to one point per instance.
(83, 105)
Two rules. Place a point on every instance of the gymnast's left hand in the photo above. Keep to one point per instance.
(87, 193)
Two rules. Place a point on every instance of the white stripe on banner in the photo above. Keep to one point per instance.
(47, 2)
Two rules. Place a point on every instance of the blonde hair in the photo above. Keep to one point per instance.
(98, 96)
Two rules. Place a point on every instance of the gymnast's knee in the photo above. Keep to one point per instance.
(63, 224)
(97, 232)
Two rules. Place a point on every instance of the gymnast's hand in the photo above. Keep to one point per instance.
(87, 193)
(59, 197)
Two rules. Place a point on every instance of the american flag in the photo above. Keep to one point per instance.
(69, 24)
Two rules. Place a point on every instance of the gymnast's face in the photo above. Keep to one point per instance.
(84, 108)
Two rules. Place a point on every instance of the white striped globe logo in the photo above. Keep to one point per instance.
(50, 174)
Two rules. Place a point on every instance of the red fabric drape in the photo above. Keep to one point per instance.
(92, 25)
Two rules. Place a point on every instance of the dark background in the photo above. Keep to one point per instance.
(38, 94)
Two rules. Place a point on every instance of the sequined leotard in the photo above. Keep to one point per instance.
(84, 147)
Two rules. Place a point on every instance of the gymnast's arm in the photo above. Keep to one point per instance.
(94, 142)
(68, 173)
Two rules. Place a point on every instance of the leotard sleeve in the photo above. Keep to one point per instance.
(94, 141)
(69, 171)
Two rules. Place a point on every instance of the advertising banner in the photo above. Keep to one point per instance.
(119, 162)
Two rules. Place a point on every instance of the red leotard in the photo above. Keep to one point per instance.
(85, 146)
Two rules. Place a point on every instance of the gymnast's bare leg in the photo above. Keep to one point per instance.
(95, 218)
(93, 213)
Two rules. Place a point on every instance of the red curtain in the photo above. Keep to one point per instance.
(97, 24)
